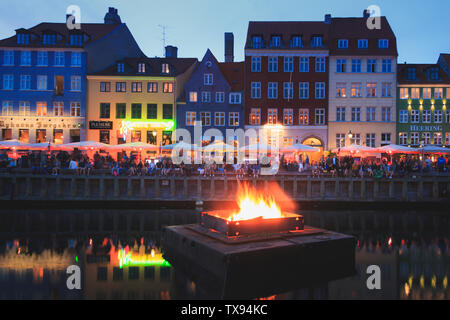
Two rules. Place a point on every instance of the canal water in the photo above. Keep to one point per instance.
(119, 255)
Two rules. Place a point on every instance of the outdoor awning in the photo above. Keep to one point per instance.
(393, 149)
(299, 148)
(13, 144)
(219, 146)
(434, 150)
(355, 149)
(133, 146)
(86, 145)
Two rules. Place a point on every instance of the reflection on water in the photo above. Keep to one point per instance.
(124, 262)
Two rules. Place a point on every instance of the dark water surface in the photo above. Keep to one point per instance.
(119, 254)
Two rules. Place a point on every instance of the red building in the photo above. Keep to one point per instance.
(286, 80)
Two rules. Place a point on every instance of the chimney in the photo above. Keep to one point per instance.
(328, 19)
(229, 47)
(171, 52)
(112, 17)
(366, 13)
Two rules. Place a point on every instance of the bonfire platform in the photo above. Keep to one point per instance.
(259, 265)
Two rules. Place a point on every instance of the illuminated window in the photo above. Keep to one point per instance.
(205, 117)
(404, 93)
(190, 118)
(288, 117)
(165, 68)
(427, 93)
(371, 89)
(41, 135)
(193, 96)
(255, 116)
(121, 87)
(437, 138)
(41, 109)
(303, 117)
(438, 93)
(168, 87)
(340, 89)
(152, 87)
(272, 116)
(24, 135)
(58, 109)
(340, 140)
(356, 90)
(141, 67)
(233, 119)
(219, 119)
(415, 93)
(136, 87)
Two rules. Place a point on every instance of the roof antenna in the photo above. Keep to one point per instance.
(163, 30)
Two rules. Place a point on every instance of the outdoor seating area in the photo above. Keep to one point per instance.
(94, 158)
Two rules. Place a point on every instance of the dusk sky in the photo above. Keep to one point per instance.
(421, 27)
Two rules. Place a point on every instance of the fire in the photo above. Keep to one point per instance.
(253, 205)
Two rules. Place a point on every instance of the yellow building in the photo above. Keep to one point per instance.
(135, 99)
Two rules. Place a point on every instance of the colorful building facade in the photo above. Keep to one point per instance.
(363, 77)
(286, 81)
(43, 77)
(213, 96)
(423, 95)
(135, 99)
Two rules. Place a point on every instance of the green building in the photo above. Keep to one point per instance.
(423, 101)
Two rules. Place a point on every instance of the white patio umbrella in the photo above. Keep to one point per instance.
(180, 146)
(133, 146)
(45, 146)
(393, 149)
(298, 147)
(355, 149)
(86, 145)
(13, 144)
(434, 150)
(219, 146)
(257, 147)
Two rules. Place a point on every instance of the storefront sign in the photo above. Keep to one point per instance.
(100, 125)
(416, 128)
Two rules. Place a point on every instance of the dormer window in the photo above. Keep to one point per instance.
(296, 42)
(316, 41)
(76, 40)
(434, 74)
(23, 38)
(275, 42)
(363, 44)
(141, 68)
(165, 68)
(49, 38)
(343, 44)
(383, 43)
(257, 42)
(411, 73)
(120, 68)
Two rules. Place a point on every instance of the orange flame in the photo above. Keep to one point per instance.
(255, 205)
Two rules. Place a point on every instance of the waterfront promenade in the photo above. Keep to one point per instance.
(22, 186)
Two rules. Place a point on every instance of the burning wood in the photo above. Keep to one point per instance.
(258, 213)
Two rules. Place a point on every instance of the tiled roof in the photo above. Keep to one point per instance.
(93, 32)
(354, 29)
(234, 73)
(422, 72)
(287, 29)
(153, 67)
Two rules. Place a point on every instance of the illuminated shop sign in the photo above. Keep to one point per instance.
(137, 259)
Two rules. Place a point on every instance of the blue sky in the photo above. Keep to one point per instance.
(193, 26)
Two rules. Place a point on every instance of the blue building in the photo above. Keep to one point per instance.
(214, 96)
(43, 84)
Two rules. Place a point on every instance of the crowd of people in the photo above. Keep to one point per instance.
(379, 168)
(80, 163)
